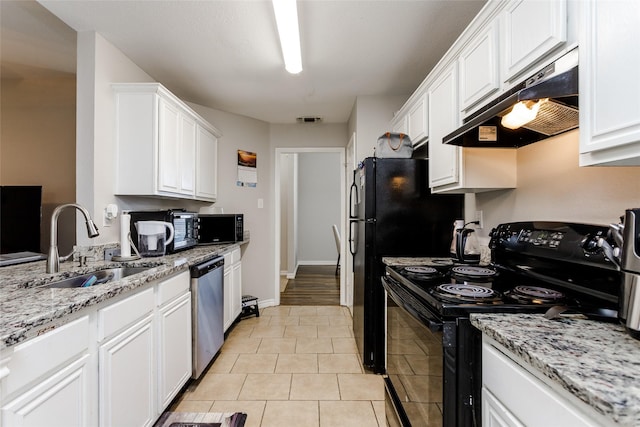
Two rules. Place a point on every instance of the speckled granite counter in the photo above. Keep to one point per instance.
(597, 362)
(26, 307)
(426, 261)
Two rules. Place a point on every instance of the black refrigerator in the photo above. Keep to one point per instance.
(392, 214)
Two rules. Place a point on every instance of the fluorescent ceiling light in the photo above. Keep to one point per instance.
(521, 114)
(287, 20)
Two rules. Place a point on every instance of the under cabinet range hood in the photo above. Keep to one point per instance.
(548, 99)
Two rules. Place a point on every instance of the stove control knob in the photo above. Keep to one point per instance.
(590, 243)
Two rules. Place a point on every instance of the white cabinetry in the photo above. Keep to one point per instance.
(399, 123)
(48, 379)
(176, 149)
(443, 119)
(532, 30)
(418, 120)
(232, 286)
(514, 396)
(413, 118)
(158, 139)
(126, 362)
(609, 87)
(207, 162)
(174, 342)
(479, 64)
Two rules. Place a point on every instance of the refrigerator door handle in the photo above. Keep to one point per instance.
(353, 190)
(353, 237)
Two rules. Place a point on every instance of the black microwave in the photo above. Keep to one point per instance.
(185, 225)
(220, 228)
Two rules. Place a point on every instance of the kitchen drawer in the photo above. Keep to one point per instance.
(173, 287)
(34, 358)
(522, 394)
(120, 314)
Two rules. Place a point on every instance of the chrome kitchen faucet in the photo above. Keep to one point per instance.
(53, 260)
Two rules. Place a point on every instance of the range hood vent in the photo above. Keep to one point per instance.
(558, 110)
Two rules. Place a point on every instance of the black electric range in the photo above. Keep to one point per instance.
(535, 266)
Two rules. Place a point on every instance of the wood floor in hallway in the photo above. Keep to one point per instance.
(313, 285)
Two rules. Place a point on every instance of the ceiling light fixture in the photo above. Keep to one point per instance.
(287, 20)
(521, 114)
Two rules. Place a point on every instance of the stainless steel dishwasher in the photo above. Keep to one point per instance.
(207, 303)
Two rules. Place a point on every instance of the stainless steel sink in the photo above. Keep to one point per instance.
(96, 278)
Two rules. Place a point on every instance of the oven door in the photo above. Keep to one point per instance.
(414, 349)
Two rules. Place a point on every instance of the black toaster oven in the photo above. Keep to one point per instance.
(220, 228)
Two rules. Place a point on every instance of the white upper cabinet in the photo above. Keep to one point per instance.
(158, 138)
(479, 64)
(533, 29)
(417, 120)
(399, 123)
(609, 84)
(413, 118)
(176, 149)
(443, 119)
(207, 165)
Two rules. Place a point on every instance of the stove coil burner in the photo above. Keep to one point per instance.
(473, 272)
(429, 271)
(466, 293)
(535, 294)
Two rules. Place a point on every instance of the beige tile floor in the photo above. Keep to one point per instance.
(292, 366)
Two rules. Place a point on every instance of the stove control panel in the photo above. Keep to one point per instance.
(569, 242)
(546, 238)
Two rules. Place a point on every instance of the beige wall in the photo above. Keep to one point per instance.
(37, 145)
(551, 186)
(371, 117)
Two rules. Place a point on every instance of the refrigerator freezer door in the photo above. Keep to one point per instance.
(397, 216)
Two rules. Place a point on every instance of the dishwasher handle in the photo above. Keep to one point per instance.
(204, 268)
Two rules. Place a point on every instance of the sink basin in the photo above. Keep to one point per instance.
(97, 277)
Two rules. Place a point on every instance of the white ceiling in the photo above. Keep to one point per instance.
(226, 54)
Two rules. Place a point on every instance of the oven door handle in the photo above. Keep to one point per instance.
(423, 316)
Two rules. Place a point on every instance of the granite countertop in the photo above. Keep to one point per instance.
(597, 362)
(425, 261)
(26, 308)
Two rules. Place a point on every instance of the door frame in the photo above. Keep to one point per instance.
(277, 212)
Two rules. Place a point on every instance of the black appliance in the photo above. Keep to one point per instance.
(185, 226)
(20, 218)
(393, 213)
(554, 89)
(220, 228)
(434, 353)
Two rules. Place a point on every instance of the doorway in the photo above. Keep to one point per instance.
(302, 234)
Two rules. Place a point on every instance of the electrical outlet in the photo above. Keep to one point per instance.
(479, 219)
(110, 253)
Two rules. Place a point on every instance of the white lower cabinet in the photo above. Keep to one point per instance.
(174, 344)
(126, 377)
(119, 365)
(60, 400)
(47, 380)
(512, 396)
(232, 286)
(494, 414)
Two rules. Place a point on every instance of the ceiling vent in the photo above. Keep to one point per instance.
(309, 119)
